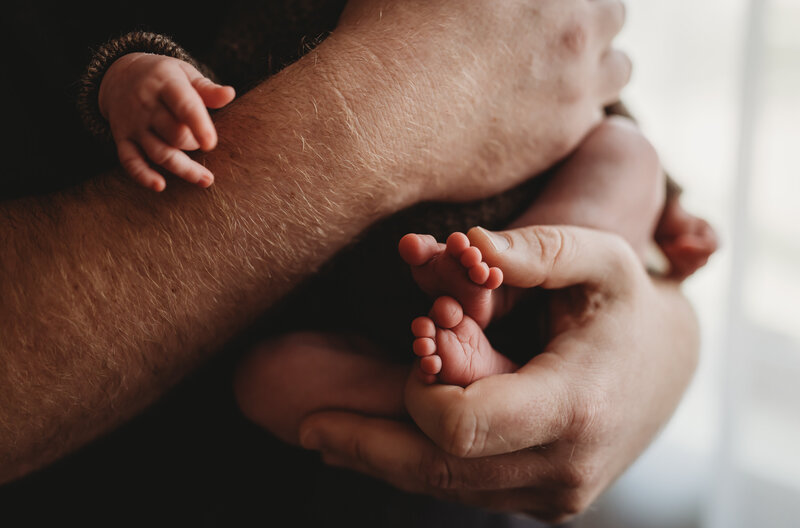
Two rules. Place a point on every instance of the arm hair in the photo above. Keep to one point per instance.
(110, 294)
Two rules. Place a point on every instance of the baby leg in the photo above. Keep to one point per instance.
(612, 182)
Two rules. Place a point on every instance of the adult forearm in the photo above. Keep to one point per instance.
(110, 293)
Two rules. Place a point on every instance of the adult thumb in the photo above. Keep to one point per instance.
(557, 256)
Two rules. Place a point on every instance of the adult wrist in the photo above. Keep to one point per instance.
(371, 93)
(105, 57)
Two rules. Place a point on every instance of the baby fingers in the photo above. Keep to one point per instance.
(135, 165)
(170, 130)
(213, 95)
(175, 161)
(181, 98)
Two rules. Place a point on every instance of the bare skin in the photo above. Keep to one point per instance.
(613, 182)
(686, 240)
(452, 347)
(454, 268)
(156, 108)
(547, 439)
(110, 297)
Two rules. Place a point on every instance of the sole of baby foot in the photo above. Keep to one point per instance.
(453, 348)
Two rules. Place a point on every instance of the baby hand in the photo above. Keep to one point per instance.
(156, 108)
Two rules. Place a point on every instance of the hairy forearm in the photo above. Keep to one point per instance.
(110, 293)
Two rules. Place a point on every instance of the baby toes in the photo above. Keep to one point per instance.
(446, 312)
(430, 365)
(424, 331)
(471, 257)
(479, 273)
(424, 346)
(417, 250)
(495, 278)
(457, 243)
(423, 327)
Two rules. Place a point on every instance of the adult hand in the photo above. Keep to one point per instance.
(481, 94)
(549, 438)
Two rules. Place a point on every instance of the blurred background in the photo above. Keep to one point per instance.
(716, 87)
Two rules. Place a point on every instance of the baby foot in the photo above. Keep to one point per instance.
(455, 269)
(686, 240)
(453, 348)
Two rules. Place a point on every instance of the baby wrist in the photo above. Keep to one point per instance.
(101, 61)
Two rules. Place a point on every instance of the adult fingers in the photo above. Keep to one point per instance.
(559, 256)
(135, 165)
(547, 483)
(614, 73)
(609, 16)
(175, 161)
(388, 450)
(398, 453)
(545, 503)
(186, 104)
(499, 414)
(170, 130)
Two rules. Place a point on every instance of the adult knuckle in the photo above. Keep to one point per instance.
(572, 477)
(551, 243)
(589, 411)
(574, 36)
(356, 448)
(571, 503)
(465, 431)
(436, 471)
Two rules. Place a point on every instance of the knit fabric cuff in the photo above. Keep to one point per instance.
(103, 58)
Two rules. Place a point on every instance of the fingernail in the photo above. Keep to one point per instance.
(499, 242)
(311, 439)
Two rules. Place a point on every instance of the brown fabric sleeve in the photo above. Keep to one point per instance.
(673, 189)
(104, 57)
